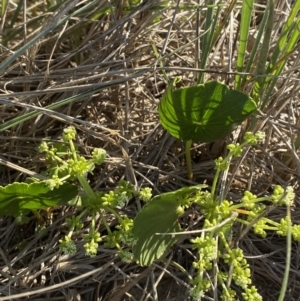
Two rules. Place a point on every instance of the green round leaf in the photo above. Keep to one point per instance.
(204, 113)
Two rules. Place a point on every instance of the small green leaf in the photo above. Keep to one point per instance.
(18, 198)
(204, 113)
(158, 216)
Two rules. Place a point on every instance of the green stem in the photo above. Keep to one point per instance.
(86, 187)
(118, 216)
(188, 159)
(82, 180)
(82, 214)
(214, 185)
(288, 256)
(38, 217)
(105, 222)
(60, 160)
(73, 150)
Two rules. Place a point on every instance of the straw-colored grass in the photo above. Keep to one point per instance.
(93, 65)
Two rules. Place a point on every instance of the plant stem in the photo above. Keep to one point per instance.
(73, 150)
(118, 216)
(86, 187)
(288, 256)
(105, 222)
(38, 217)
(215, 181)
(188, 159)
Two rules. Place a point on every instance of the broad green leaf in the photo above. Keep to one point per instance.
(204, 113)
(158, 216)
(20, 197)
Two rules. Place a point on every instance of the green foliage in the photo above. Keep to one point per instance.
(202, 119)
(160, 215)
(65, 164)
(19, 198)
(261, 58)
(68, 185)
(203, 113)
